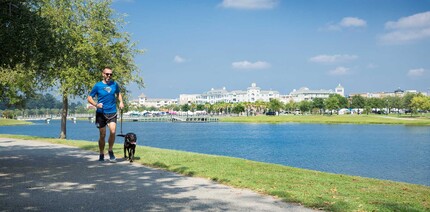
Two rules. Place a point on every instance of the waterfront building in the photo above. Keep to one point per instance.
(307, 94)
(398, 92)
(155, 102)
(252, 94)
(187, 98)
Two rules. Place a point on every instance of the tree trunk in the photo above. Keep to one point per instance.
(64, 117)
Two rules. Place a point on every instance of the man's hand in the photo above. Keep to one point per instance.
(121, 105)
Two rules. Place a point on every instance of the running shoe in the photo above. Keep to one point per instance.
(112, 157)
(101, 157)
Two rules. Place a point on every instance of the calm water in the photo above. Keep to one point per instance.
(393, 152)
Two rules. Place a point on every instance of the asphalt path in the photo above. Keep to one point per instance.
(38, 176)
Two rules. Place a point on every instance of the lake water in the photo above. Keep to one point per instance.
(393, 152)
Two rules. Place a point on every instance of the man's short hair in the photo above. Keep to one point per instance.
(107, 67)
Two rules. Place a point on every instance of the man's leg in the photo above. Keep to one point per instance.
(112, 131)
(102, 139)
(102, 143)
(112, 128)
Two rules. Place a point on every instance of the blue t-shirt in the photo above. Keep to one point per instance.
(106, 95)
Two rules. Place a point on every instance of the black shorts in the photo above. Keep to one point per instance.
(102, 119)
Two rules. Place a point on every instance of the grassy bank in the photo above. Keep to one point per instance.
(7, 122)
(334, 119)
(313, 189)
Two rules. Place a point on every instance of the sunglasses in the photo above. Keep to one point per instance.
(108, 74)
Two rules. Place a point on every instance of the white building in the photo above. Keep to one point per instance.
(305, 93)
(155, 102)
(398, 92)
(187, 98)
(252, 94)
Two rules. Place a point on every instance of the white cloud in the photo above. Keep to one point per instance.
(346, 22)
(249, 4)
(416, 72)
(332, 58)
(178, 59)
(418, 20)
(249, 65)
(407, 29)
(339, 71)
(352, 22)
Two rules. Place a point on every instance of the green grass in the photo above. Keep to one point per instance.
(334, 119)
(7, 122)
(326, 191)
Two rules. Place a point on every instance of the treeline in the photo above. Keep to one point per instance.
(409, 103)
(40, 104)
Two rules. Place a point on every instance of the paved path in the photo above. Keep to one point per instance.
(39, 176)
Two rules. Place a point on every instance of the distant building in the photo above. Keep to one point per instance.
(252, 94)
(187, 98)
(155, 102)
(305, 93)
(398, 92)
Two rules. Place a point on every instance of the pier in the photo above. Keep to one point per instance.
(171, 119)
(91, 118)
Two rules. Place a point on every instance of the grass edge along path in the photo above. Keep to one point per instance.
(325, 119)
(313, 189)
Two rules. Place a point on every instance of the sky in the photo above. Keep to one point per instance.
(192, 46)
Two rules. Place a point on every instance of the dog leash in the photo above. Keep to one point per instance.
(121, 135)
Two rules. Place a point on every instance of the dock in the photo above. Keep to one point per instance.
(91, 118)
(172, 119)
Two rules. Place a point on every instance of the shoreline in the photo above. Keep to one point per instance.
(334, 119)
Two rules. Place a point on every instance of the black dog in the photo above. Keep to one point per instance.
(130, 146)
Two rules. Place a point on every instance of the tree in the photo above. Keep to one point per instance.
(332, 103)
(375, 103)
(87, 38)
(358, 102)
(318, 103)
(391, 102)
(261, 106)
(275, 105)
(291, 106)
(420, 103)
(25, 50)
(305, 106)
(343, 102)
(407, 100)
(185, 107)
(238, 108)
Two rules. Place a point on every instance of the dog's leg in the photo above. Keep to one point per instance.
(125, 156)
(131, 154)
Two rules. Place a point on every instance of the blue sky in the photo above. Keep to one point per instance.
(192, 46)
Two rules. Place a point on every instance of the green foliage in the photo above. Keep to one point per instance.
(291, 106)
(332, 103)
(238, 108)
(318, 103)
(305, 106)
(63, 44)
(185, 107)
(275, 105)
(26, 50)
(420, 103)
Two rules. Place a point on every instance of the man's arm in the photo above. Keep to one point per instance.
(93, 103)
(121, 104)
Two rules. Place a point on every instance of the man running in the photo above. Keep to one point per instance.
(107, 91)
